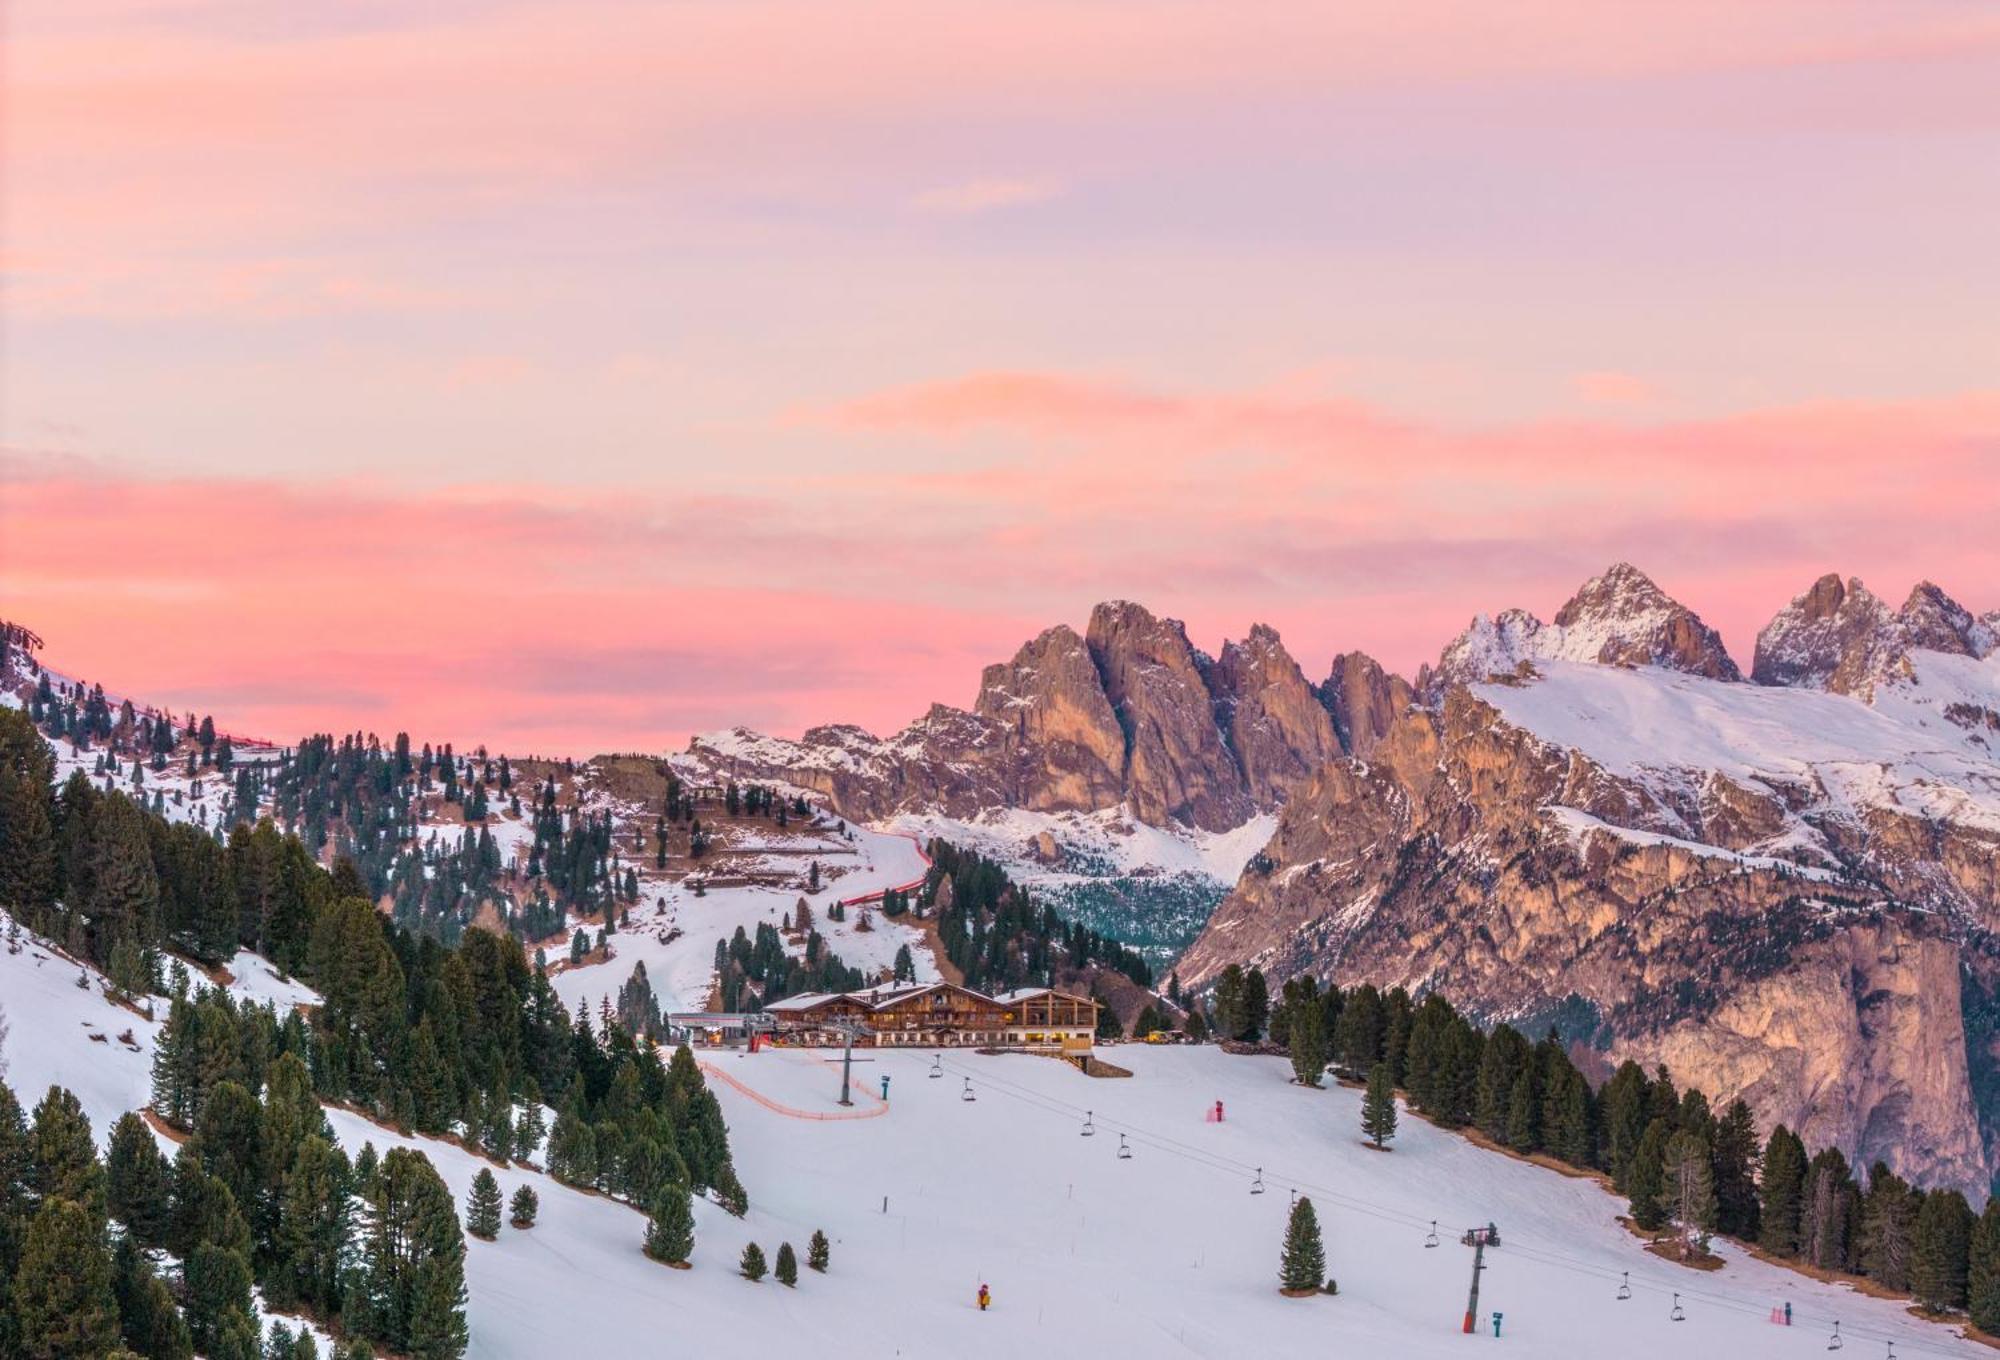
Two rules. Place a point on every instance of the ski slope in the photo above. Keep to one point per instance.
(1167, 1253)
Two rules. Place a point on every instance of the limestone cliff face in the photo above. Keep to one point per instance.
(1051, 703)
(1859, 1044)
(1364, 701)
(1177, 767)
(1276, 726)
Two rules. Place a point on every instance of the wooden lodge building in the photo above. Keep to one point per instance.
(939, 1015)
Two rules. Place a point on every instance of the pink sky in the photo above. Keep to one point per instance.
(571, 377)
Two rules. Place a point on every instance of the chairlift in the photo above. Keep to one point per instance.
(1431, 1237)
(937, 1065)
(1834, 1343)
(966, 1093)
(1124, 1148)
(1892, 1352)
(1089, 1129)
(1679, 1314)
(1257, 1186)
(1625, 1285)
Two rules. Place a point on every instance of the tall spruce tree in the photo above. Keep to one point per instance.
(1734, 1157)
(751, 1264)
(786, 1270)
(415, 1260)
(1888, 1228)
(1645, 1178)
(1689, 1183)
(482, 1210)
(138, 1181)
(818, 1253)
(1982, 1284)
(670, 1230)
(1781, 1192)
(61, 1291)
(1378, 1106)
(1938, 1266)
(1302, 1265)
(1306, 1034)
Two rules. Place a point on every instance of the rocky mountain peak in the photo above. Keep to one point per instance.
(1841, 637)
(1364, 701)
(1933, 620)
(1176, 763)
(1273, 721)
(1622, 618)
(1618, 618)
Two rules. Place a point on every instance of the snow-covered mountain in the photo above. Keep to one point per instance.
(1786, 889)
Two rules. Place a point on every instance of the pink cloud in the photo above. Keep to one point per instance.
(536, 618)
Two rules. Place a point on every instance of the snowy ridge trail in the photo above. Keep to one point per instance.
(879, 893)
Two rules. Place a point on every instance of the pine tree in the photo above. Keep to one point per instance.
(1689, 1183)
(1302, 1268)
(482, 1211)
(1781, 1192)
(787, 1269)
(1734, 1158)
(1378, 1106)
(818, 1253)
(751, 1265)
(415, 1260)
(521, 1212)
(314, 1227)
(1983, 1270)
(1888, 1227)
(1645, 1178)
(1824, 1223)
(137, 1181)
(62, 1157)
(670, 1231)
(1522, 1106)
(1938, 1268)
(731, 1192)
(61, 1292)
(1306, 1034)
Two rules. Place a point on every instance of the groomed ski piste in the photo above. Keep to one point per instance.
(1166, 1252)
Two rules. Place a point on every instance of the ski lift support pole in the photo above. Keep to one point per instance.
(1478, 1236)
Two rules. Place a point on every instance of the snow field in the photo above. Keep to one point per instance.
(1166, 1253)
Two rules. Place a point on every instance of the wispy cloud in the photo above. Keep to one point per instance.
(969, 198)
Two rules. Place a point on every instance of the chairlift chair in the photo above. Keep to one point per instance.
(1257, 1185)
(1431, 1237)
(1089, 1129)
(1625, 1285)
(1679, 1314)
(1124, 1148)
(1834, 1343)
(937, 1065)
(966, 1093)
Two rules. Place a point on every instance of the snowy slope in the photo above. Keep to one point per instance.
(1163, 1254)
(1659, 727)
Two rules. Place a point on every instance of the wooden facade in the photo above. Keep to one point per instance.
(939, 1015)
